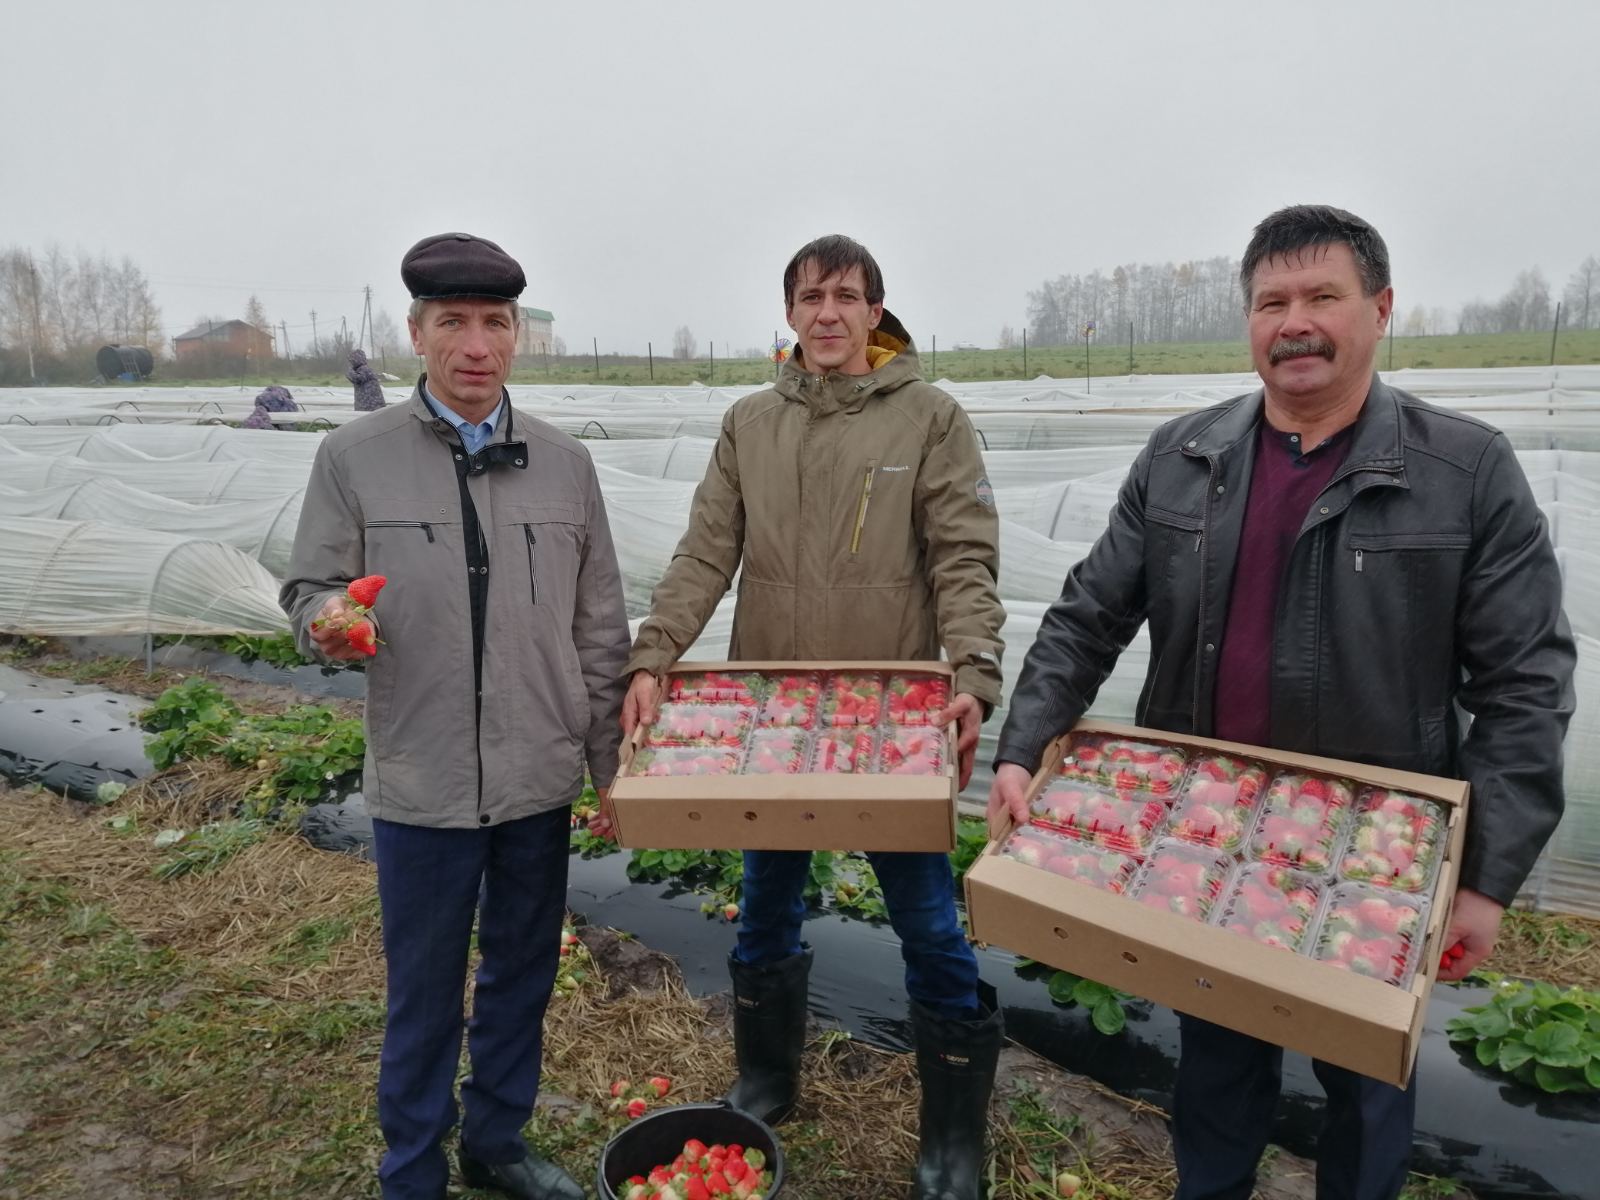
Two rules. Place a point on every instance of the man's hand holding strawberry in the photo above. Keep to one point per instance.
(343, 630)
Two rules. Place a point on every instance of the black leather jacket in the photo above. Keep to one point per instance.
(1421, 580)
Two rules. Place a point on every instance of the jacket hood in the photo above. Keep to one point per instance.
(891, 353)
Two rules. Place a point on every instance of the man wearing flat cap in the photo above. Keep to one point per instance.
(496, 684)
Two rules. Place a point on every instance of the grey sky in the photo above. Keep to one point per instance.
(654, 165)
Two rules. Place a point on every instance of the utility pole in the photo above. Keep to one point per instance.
(365, 335)
(283, 328)
(316, 346)
(596, 344)
(1554, 329)
(33, 286)
(1024, 351)
(650, 350)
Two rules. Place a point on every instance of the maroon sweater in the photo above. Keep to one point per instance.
(1283, 484)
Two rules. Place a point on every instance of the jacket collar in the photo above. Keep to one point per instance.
(1375, 441)
(836, 392)
(417, 406)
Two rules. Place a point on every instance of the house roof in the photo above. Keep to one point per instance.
(215, 329)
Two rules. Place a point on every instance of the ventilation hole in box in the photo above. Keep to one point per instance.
(1130, 956)
(1203, 983)
(1059, 932)
(1281, 1010)
(694, 816)
(866, 816)
(808, 816)
(749, 816)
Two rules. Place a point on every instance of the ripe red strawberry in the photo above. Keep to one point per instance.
(661, 1084)
(619, 1087)
(636, 1108)
(363, 637)
(364, 591)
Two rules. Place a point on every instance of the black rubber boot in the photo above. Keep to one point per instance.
(769, 1033)
(956, 1061)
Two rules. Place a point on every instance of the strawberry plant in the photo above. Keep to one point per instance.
(1541, 1036)
(189, 720)
(1107, 1006)
(278, 650)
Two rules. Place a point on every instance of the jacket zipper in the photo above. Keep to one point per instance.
(861, 509)
(1358, 562)
(533, 542)
(1205, 659)
(422, 525)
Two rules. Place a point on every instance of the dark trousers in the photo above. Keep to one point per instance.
(918, 891)
(1222, 1115)
(430, 884)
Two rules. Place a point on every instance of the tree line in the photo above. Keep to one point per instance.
(1200, 301)
(57, 309)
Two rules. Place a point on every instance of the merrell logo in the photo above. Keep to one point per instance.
(956, 1060)
(894, 468)
(746, 1002)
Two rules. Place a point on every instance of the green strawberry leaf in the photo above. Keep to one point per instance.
(1591, 1073)
(1109, 1016)
(1555, 1038)
(1089, 993)
(1460, 1029)
(1559, 1079)
(1512, 1055)
(1061, 985)
(1488, 1051)
(1568, 1011)
(1492, 1022)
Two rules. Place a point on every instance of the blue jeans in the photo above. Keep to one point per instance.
(1222, 1115)
(430, 884)
(919, 892)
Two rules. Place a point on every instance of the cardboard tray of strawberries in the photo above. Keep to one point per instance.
(792, 756)
(1298, 899)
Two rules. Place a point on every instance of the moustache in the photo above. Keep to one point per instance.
(1296, 347)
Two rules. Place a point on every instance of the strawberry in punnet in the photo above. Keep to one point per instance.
(793, 701)
(1271, 904)
(844, 752)
(1301, 822)
(912, 751)
(775, 751)
(917, 699)
(661, 761)
(1069, 857)
(1182, 878)
(714, 686)
(1370, 932)
(1397, 841)
(697, 724)
(852, 699)
(1218, 803)
(1126, 821)
(1125, 765)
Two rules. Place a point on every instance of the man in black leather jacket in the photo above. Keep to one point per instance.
(1330, 566)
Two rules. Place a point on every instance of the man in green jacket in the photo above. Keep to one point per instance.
(852, 501)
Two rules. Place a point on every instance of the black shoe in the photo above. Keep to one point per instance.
(956, 1061)
(769, 1034)
(530, 1179)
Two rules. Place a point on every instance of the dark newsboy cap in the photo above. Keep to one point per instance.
(458, 264)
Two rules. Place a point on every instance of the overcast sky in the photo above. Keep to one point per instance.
(654, 165)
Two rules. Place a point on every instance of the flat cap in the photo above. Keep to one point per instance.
(459, 264)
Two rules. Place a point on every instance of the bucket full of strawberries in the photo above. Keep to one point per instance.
(692, 1152)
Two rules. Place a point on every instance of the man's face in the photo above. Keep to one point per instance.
(1313, 331)
(468, 343)
(832, 319)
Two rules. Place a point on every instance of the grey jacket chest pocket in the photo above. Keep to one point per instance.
(403, 535)
(547, 540)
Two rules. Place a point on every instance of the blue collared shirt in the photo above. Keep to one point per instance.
(473, 437)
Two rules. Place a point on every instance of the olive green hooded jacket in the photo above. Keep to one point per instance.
(857, 515)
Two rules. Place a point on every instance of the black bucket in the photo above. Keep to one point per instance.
(659, 1138)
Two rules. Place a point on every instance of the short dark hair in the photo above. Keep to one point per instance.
(834, 255)
(1303, 225)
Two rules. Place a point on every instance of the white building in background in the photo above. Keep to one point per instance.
(535, 335)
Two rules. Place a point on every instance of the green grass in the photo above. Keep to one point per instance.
(1106, 358)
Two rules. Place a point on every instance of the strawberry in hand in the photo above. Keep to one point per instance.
(341, 629)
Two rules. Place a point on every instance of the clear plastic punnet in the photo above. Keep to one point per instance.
(691, 724)
(1125, 765)
(1070, 857)
(1182, 878)
(791, 700)
(1302, 822)
(1219, 802)
(1397, 841)
(1274, 905)
(916, 699)
(852, 698)
(911, 751)
(652, 761)
(778, 750)
(714, 686)
(1370, 931)
(1126, 821)
(844, 751)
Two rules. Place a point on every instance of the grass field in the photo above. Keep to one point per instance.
(1060, 362)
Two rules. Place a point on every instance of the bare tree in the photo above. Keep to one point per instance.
(1581, 300)
(255, 314)
(385, 334)
(683, 343)
(1008, 338)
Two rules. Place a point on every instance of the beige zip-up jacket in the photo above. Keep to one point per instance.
(384, 499)
(865, 525)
